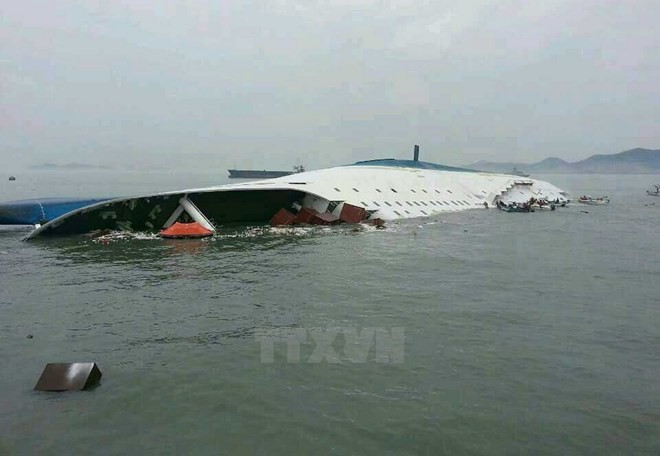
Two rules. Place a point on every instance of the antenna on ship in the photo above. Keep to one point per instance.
(416, 157)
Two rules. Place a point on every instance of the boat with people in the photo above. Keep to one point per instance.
(12, 178)
(534, 204)
(654, 191)
(592, 201)
(514, 207)
(383, 189)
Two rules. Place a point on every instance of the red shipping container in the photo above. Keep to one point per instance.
(352, 214)
(306, 215)
(325, 219)
(378, 222)
(282, 218)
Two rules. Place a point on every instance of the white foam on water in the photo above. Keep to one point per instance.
(249, 233)
(116, 236)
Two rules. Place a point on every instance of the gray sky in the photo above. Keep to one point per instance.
(325, 82)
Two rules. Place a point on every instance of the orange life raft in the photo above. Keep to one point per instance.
(186, 231)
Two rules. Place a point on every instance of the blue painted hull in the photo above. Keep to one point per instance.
(40, 211)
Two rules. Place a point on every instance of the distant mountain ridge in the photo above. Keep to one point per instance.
(634, 161)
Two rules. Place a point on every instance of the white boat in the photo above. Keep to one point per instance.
(387, 189)
(655, 191)
(590, 200)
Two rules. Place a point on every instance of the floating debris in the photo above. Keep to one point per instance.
(58, 377)
(378, 223)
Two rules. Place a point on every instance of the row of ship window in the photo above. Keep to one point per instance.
(395, 191)
(417, 203)
(412, 190)
(421, 203)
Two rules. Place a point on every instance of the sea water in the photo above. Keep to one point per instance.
(478, 332)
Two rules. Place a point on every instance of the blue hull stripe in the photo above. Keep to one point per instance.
(31, 212)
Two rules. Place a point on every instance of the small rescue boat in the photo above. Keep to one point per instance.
(601, 201)
(515, 208)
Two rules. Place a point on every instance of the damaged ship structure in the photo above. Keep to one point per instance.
(387, 189)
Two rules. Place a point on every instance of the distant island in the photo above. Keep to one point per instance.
(66, 167)
(635, 161)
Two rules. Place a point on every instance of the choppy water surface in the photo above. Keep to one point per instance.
(524, 333)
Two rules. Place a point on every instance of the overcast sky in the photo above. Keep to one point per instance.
(325, 82)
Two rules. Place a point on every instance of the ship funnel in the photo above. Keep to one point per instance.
(416, 153)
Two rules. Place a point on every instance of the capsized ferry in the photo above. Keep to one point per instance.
(387, 189)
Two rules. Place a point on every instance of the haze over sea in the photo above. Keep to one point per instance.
(524, 333)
